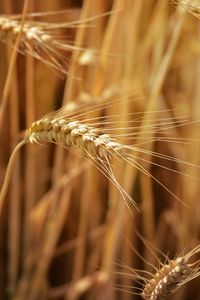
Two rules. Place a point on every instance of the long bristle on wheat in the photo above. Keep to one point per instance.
(39, 40)
(167, 277)
(93, 143)
(98, 144)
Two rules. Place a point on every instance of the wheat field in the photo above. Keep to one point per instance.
(101, 102)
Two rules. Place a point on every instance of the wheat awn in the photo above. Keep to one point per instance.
(39, 40)
(101, 140)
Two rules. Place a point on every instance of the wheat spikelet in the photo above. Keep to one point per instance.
(172, 276)
(167, 279)
(74, 134)
(100, 144)
(192, 7)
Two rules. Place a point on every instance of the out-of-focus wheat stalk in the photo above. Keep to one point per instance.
(38, 39)
(11, 64)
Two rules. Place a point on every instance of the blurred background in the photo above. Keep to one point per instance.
(65, 230)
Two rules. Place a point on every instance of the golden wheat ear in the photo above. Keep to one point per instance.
(166, 278)
(35, 41)
(42, 40)
(192, 8)
(172, 275)
(9, 173)
(103, 141)
(92, 142)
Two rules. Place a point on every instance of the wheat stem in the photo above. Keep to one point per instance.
(12, 64)
(9, 173)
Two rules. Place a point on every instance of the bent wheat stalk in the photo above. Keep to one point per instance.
(98, 140)
(9, 173)
(90, 141)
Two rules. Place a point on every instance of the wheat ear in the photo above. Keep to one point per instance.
(37, 38)
(171, 276)
(33, 40)
(92, 142)
(76, 135)
(167, 279)
(34, 35)
(97, 144)
(193, 8)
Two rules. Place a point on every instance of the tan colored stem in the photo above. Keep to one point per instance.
(9, 173)
(11, 66)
